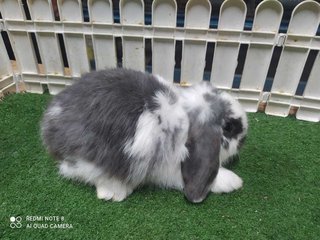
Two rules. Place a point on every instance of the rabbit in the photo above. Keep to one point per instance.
(119, 129)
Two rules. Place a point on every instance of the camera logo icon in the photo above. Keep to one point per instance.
(15, 222)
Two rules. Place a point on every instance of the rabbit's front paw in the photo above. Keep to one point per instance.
(226, 181)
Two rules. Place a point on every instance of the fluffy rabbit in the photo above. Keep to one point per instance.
(119, 129)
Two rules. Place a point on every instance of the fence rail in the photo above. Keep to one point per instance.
(47, 36)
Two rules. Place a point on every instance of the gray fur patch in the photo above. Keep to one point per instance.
(172, 98)
(225, 143)
(96, 126)
(217, 106)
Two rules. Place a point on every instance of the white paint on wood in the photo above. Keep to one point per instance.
(232, 17)
(304, 22)
(163, 32)
(163, 50)
(197, 15)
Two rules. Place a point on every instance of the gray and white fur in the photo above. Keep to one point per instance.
(119, 129)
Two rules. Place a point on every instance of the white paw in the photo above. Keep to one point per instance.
(226, 181)
(119, 196)
(104, 193)
(114, 190)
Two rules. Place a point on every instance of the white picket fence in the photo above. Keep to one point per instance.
(163, 32)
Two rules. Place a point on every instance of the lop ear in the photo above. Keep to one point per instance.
(201, 166)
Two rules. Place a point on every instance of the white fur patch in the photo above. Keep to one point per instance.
(232, 150)
(142, 146)
(163, 81)
(159, 140)
(54, 111)
(80, 169)
(193, 100)
(168, 175)
(109, 188)
(226, 181)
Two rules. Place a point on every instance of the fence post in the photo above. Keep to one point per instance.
(231, 23)
(310, 105)
(71, 16)
(6, 79)
(197, 16)
(131, 17)
(266, 23)
(302, 29)
(164, 15)
(16, 25)
(43, 18)
(101, 16)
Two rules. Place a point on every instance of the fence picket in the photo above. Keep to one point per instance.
(42, 16)
(231, 20)
(264, 36)
(11, 9)
(5, 66)
(303, 26)
(21, 43)
(310, 105)
(131, 15)
(164, 14)
(6, 80)
(100, 12)
(40, 10)
(197, 15)
(70, 10)
(266, 21)
(71, 14)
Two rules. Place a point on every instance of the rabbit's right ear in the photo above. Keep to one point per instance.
(202, 164)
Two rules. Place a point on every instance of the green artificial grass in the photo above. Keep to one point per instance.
(279, 164)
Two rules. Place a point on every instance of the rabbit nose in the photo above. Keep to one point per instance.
(197, 200)
(194, 196)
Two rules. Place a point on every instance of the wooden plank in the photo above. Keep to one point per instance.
(164, 15)
(71, 12)
(267, 19)
(232, 17)
(132, 14)
(197, 15)
(304, 22)
(100, 12)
